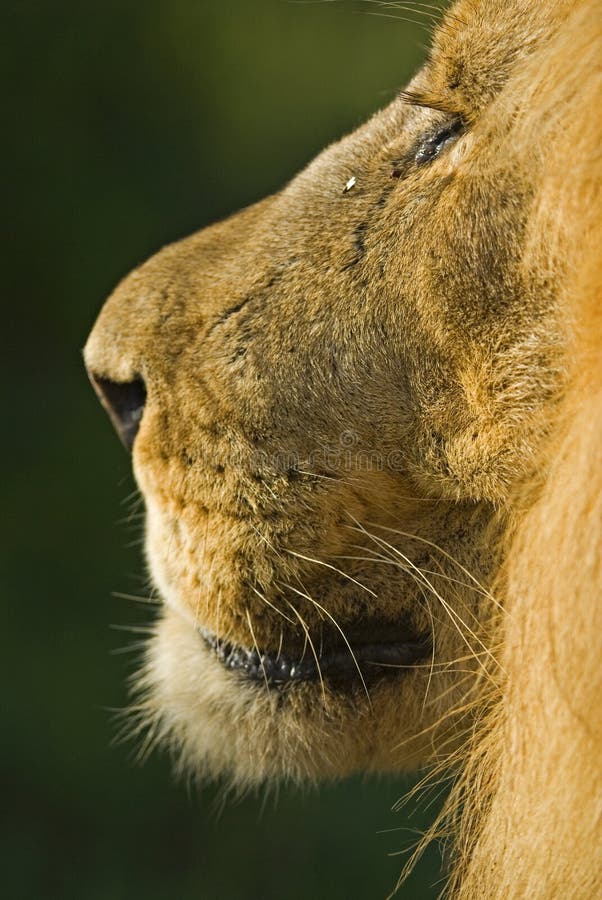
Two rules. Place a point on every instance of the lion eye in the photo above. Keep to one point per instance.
(432, 146)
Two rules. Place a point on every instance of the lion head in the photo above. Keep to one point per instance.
(331, 398)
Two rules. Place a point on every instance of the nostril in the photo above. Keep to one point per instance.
(124, 402)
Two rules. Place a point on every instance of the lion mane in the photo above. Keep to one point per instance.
(526, 810)
(366, 418)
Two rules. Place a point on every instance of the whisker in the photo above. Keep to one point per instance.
(420, 9)
(386, 560)
(313, 649)
(421, 578)
(452, 559)
(271, 605)
(448, 714)
(433, 651)
(338, 627)
(416, 22)
(149, 601)
(326, 565)
(134, 629)
(134, 497)
(218, 611)
(280, 645)
(135, 647)
(199, 592)
(256, 645)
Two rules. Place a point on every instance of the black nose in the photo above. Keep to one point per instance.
(124, 402)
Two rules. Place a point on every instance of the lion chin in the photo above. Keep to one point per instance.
(365, 418)
(293, 731)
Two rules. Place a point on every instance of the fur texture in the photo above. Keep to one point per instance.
(380, 400)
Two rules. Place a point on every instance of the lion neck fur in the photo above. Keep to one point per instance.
(527, 808)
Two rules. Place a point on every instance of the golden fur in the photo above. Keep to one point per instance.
(381, 399)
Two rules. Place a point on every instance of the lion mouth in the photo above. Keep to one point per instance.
(346, 661)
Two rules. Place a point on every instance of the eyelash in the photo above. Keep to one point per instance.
(432, 147)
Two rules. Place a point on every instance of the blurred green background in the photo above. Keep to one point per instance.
(128, 125)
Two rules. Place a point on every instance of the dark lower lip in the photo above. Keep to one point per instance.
(342, 664)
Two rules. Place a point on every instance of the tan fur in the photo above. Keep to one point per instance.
(385, 403)
(532, 788)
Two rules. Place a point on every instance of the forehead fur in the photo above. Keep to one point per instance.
(478, 46)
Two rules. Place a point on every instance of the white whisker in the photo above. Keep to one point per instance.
(338, 627)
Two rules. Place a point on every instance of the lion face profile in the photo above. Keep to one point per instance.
(332, 400)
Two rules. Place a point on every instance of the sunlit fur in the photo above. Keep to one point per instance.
(527, 809)
(386, 403)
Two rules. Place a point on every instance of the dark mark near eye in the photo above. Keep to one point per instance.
(261, 294)
(359, 245)
(232, 310)
(359, 234)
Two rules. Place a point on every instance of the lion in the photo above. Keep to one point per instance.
(365, 415)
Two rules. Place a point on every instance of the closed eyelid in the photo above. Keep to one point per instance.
(431, 146)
